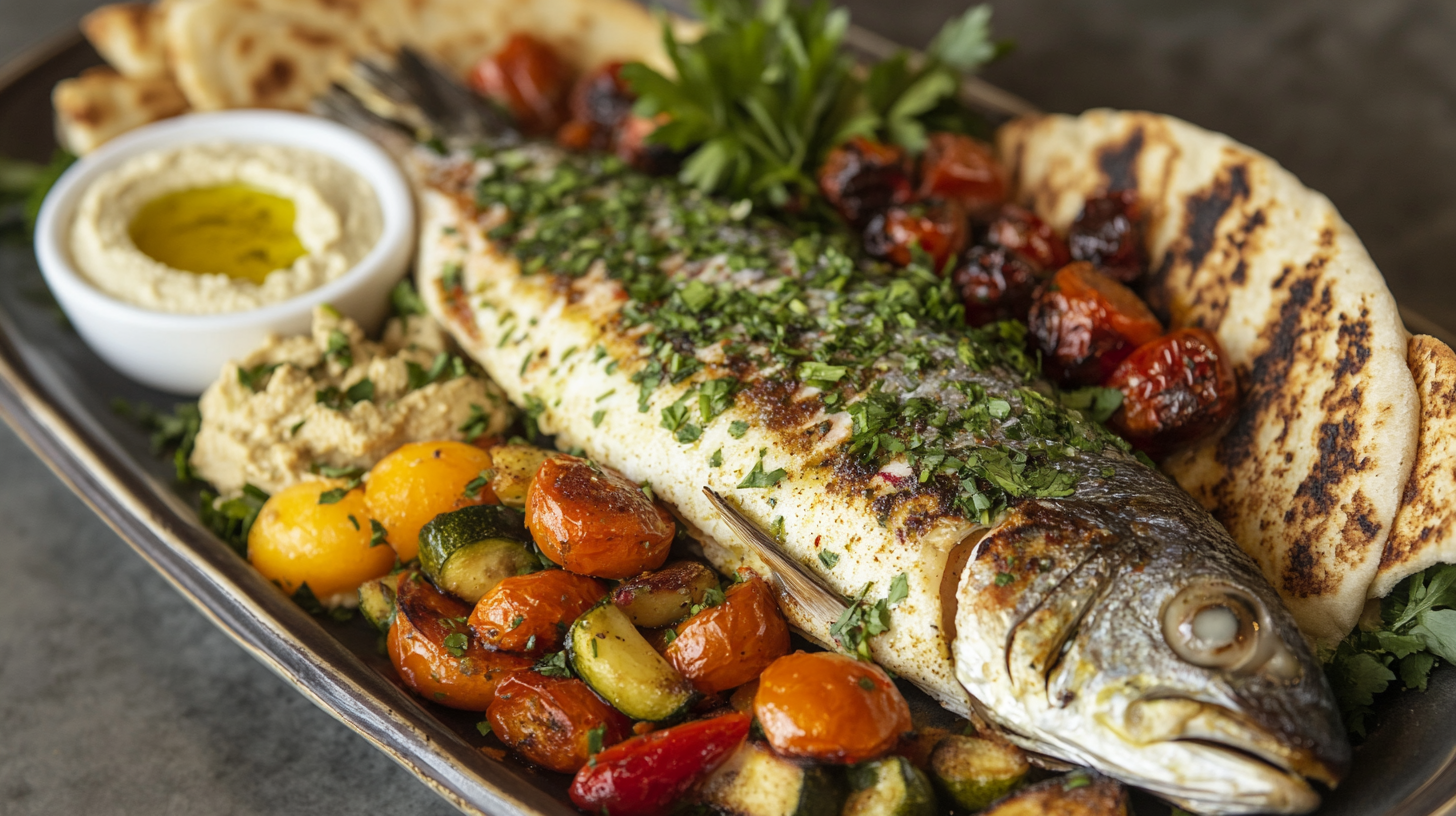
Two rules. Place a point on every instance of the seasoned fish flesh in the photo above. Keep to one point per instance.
(1001, 550)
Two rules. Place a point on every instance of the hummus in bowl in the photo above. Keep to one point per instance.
(147, 321)
(336, 221)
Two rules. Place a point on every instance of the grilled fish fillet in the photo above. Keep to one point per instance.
(1100, 616)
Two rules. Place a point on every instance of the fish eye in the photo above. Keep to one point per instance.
(1215, 626)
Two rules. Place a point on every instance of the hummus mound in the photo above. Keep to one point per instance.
(298, 419)
(337, 219)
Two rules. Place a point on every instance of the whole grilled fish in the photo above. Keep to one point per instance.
(1003, 552)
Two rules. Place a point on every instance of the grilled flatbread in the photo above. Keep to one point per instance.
(101, 103)
(129, 37)
(1425, 527)
(1309, 475)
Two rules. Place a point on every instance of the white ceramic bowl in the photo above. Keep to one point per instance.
(183, 353)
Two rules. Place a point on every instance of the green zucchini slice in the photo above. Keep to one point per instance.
(755, 781)
(975, 772)
(889, 787)
(515, 466)
(664, 597)
(376, 602)
(608, 652)
(468, 551)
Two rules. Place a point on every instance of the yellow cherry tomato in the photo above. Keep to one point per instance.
(312, 533)
(421, 480)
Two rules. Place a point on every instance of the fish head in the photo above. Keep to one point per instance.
(1152, 650)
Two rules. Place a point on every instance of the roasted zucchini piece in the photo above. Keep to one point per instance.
(665, 596)
(1079, 793)
(889, 787)
(515, 466)
(468, 551)
(376, 602)
(608, 652)
(974, 772)
(755, 781)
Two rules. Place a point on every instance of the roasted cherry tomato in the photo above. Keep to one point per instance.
(600, 101)
(1086, 323)
(530, 79)
(421, 480)
(995, 284)
(1175, 389)
(863, 177)
(1108, 234)
(530, 613)
(594, 521)
(549, 720)
(829, 708)
(725, 646)
(938, 228)
(298, 539)
(432, 649)
(646, 775)
(633, 147)
(1021, 231)
(964, 170)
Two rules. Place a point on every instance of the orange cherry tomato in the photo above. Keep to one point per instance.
(727, 645)
(863, 177)
(1086, 323)
(594, 521)
(646, 775)
(938, 228)
(530, 79)
(529, 613)
(549, 720)
(421, 480)
(962, 169)
(431, 648)
(1175, 389)
(829, 708)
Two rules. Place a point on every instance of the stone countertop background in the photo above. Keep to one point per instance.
(117, 697)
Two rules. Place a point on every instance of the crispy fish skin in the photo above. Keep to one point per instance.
(1062, 607)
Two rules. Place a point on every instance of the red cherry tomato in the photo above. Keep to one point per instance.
(862, 177)
(940, 229)
(995, 284)
(1033, 239)
(1086, 323)
(550, 720)
(530, 79)
(961, 169)
(645, 775)
(1175, 389)
(1108, 234)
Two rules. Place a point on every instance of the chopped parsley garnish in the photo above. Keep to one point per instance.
(555, 664)
(866, 684)
(899, 589)
(828, 558)
(476, 424)
(1004, 578)
(483, 727)
(231, 520)
(594, 739)
(376, 533)
(332, 397)
(598, 416)
(757, 478)
(455, 644)
(532, 418)
(256, 378)
(716, 460)
(337, 494)
(475, 487)
(860, 622)
(711, 598)
(405, 300)
(445, 367)
(339, 349)
(737, 428)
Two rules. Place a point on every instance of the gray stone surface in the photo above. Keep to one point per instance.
(118, 697)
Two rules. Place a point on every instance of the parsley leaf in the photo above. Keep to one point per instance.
(476, 424)
(716, 460)
(757, 478)
(737, 429)
(1098, 403)
(860, 622)
(376, 533)
(899, 589)
(828, 558)
(256, 378)
(475, 487)
(339, 349)
(483, 727)
(233, 519)
(405, 300)
(555, 664)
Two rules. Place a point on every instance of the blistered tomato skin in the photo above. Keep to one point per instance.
(995, 284)
(594, 521)
(1086, 323)
(727, 645)
(959, 168)
(530, 613)
(421, 480)
(549, 720)
(645, 775)
(530, 79)
(1108, 234)
(863, 177)
(434, 653)
(939, 229)
(1175, 390)
(829, 708)
(1022, 232)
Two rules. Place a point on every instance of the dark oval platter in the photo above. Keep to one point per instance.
(55, 393)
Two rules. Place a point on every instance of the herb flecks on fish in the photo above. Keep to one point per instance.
(782, 310)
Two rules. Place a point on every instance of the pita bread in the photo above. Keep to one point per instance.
(101, 104)
(1425, 527)
(1309, 475)
(129, 37)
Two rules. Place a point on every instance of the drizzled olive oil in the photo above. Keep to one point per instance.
(232, 229)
